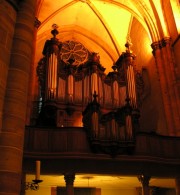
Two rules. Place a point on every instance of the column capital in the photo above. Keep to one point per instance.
(155, 46)
(144, 179)
(165, 41)
(69, 178)
(160, 44)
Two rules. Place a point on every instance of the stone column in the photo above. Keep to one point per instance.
(171, 82)
(178, 186)
(164, 89)
(145, 184)
(8, 19)
(14, 112)
(69, 179)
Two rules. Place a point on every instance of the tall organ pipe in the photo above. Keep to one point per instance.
(52, 77)
(70, 88)
(94, 80)
(130, 78)
(51, 52)
(131, 100)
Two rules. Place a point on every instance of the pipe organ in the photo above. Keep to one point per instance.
(76, 92)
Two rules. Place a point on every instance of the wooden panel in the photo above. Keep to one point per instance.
(41, 140)
(59, 141)
(80, 191)
(56, 140)
(77, 141)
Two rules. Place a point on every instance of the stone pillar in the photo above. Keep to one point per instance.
(14, 108)
(69, 179)
(164, 87)
(8, 19)
(145, 184)
(178, 186)
(171, 82)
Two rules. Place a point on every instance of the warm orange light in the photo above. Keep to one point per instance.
(161, 17)
(176, 12)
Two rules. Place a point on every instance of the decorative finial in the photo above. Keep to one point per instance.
(114, 67)
(54, 32)
(128, 44)
(54, 26)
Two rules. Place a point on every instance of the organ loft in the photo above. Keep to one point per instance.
(75, 91)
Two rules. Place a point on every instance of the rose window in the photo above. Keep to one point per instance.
(74, 50)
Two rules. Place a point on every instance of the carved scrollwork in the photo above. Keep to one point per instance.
(41, 73)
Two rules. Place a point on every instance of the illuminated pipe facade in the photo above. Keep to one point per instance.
(115, 94)
(94, 79)
(51, 51)
(130, 79)
(131, 89)
(52, 77)
(70, 81)
(94, 83)
(127, 61)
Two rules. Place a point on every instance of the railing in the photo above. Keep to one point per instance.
(67, 140)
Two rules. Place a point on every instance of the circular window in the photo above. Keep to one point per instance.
(74, 50)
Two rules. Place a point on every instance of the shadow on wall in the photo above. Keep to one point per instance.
(149, 111)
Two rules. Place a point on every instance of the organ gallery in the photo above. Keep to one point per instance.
(75, 91)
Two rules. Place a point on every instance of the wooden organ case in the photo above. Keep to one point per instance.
(76, 92)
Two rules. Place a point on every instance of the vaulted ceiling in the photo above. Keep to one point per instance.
(102, 26)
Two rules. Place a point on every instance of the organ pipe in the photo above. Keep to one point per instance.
(86, 89)
(128, 58)
(70, 90)
(129, 127)
(95, 123)
(131, 86)
(94, 83)
(51, 51)
(115, 93)
(52, 77)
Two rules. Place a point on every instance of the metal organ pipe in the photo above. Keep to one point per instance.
(131, 86)
(130, 90)
(115, 93)
(70, 87)
(52, 76)
(86, 89)
(94, 83)
(95, 124)
(128, 127)
(51, 51)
